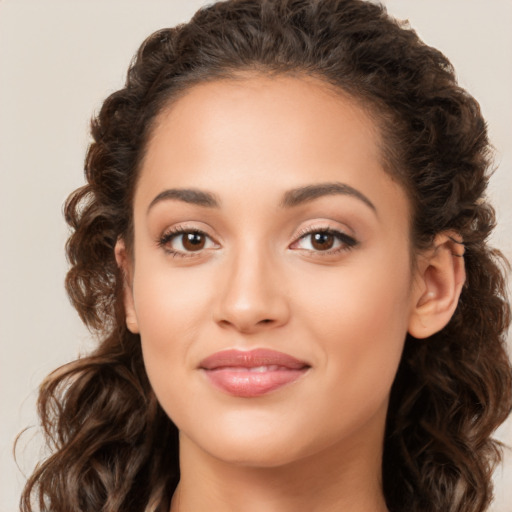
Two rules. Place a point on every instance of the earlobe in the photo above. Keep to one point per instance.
(125, 264)
(441, 276)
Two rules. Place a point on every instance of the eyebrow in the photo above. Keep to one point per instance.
(303, 195)
(187, 195)
(291, 198)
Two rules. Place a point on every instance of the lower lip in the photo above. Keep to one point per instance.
(247, 384)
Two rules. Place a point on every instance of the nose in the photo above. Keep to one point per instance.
(252, 296)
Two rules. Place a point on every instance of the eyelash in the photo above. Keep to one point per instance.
(347, 242)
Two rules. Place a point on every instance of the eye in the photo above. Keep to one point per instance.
(325, 240)
(185, 242)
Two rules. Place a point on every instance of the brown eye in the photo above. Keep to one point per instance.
(322, 241)
(186, 242)
(327, 241)
(193, 241)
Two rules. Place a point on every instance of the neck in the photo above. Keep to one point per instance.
(344, 477)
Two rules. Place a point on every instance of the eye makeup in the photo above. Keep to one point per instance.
(324, 240)
(185, 241)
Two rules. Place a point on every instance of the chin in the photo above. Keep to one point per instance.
(256, 445)
(253, 444)
(251, 455)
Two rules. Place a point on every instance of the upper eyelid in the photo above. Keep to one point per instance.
(324, 226)
(336, 232)
(179, 231)
(186, 228)
(320, 226)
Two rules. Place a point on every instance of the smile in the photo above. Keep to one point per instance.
(252, 373)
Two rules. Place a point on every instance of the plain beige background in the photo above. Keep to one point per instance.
(58, 60)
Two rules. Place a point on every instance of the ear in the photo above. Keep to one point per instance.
(439, 281)
(124, 262)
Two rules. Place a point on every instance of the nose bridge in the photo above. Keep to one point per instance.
(252, 295)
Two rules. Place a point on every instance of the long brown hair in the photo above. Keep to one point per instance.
(113, 448)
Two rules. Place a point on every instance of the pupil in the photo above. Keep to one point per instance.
(323, 240)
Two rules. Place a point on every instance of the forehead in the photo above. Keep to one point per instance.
(251, 109)
(286, 99)
(266, 133)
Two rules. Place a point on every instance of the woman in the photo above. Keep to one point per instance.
(282, 244)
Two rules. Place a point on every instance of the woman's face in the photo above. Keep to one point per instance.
(271, 281)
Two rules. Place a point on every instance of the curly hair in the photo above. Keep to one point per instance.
(113, 446)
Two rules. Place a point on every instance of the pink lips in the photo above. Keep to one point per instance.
(252, 373)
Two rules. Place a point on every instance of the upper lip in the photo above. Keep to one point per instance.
(251, 359)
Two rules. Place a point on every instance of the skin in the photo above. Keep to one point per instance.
(259, 282)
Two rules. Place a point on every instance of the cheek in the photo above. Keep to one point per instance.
(166, 298)
(372, 288)
(171, 312)
(359, 317)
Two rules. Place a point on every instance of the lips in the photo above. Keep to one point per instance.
(252, 373)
